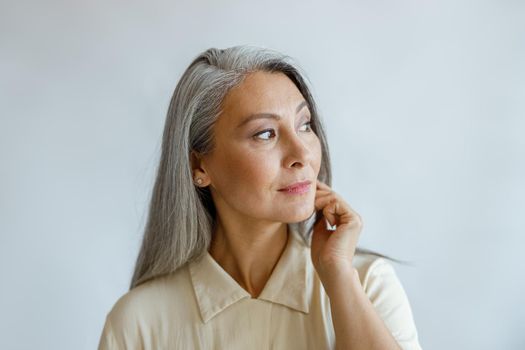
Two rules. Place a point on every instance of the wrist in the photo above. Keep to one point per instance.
(342, 278)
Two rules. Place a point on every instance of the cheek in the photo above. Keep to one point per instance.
(246, 171)
(316, 154)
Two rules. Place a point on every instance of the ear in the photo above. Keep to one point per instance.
(197, 170)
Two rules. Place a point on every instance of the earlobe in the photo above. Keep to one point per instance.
(199, 178)
(199, 174)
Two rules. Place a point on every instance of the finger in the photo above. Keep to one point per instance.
(322, 194)
(329, 212)
(322, 202)
(322, 185)
(337, 207)
(324, 190)
(325, 205)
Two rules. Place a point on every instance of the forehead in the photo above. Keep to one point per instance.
(261, 92)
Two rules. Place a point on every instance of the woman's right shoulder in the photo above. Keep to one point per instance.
(137, 317)
(152, 299)
(140, 317)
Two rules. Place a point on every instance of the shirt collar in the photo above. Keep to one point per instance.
(288, 284)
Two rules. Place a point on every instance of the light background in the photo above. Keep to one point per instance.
(424, 103)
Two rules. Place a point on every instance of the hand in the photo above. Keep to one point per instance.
(332, 251)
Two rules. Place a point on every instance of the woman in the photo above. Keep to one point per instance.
(246, 245)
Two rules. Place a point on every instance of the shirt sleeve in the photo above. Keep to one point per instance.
(107, 339)
(389, 299)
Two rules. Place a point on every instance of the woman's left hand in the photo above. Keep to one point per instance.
(332, 251)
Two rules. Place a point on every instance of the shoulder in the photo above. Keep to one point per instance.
(165, 300)
(379, 280)
(387, 294)
(150, 296)
(371, 267)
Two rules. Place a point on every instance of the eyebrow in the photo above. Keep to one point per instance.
(269, 115)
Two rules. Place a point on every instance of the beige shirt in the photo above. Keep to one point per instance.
(201, 306)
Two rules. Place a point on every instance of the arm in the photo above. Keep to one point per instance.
(376, 315)
(107, 339)
(356, 323)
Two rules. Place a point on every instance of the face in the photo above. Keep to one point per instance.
(254, 159)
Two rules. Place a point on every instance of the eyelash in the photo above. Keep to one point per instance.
(309, 123)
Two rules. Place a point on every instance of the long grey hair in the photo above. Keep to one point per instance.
(181, 215)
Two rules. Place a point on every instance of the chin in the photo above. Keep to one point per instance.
(299, 216)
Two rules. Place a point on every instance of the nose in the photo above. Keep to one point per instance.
(297, 152)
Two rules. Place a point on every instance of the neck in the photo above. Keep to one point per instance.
(249, 252)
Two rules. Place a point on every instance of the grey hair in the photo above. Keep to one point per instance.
(181, 215)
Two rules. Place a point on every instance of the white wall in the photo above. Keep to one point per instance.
(424, 103)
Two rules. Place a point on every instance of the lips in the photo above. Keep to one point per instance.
(296, 186)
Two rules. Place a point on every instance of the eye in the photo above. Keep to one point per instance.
(309, 123)
(262, 133)
(267, 131)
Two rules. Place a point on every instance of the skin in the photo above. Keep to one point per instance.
(245, 172)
